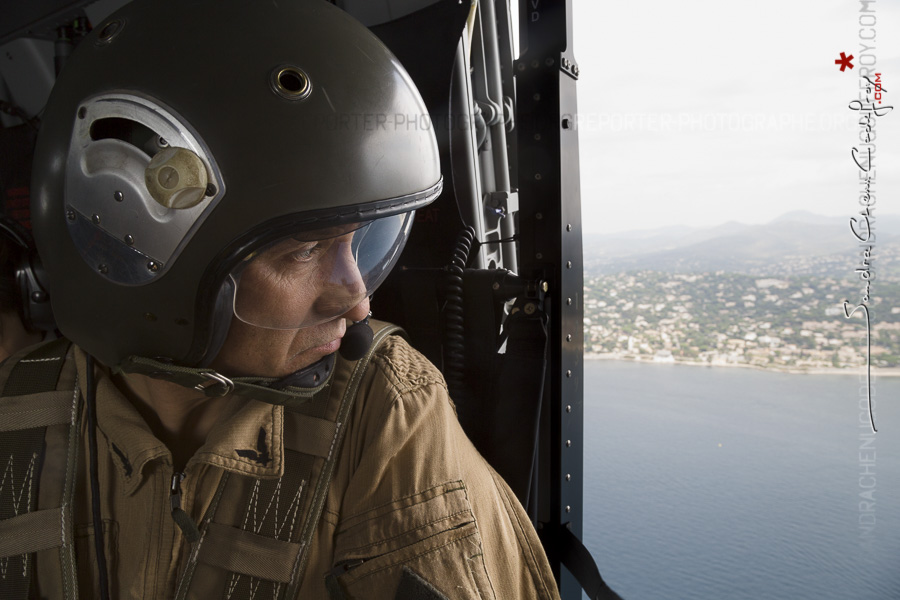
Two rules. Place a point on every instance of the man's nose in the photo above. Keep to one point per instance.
(344, 288)
(358, 312)
(346, 271)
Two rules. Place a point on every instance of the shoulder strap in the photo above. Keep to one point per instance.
(38, 396)
(254, 548)
(382, 331)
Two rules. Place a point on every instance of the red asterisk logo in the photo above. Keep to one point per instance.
(844, 61)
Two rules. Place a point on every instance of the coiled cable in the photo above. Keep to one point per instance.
(454, 321)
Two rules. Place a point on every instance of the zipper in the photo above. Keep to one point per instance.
(181, 518)
(175, 490)
(334, 587)
(346, 565)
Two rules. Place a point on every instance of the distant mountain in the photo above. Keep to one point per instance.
(797, 243)
(805, 216)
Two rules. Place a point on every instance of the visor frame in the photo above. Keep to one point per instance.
(288, 295)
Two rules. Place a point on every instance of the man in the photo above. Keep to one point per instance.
(208, 235)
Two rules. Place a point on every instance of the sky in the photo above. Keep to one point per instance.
(699, 113)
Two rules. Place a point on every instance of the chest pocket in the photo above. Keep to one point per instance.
(381, 553)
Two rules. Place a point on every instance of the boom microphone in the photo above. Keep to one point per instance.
(356, 340)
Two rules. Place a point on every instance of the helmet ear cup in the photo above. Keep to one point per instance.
(38, 313)
(34, 306)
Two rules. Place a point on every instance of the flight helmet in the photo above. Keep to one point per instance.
(185, 139)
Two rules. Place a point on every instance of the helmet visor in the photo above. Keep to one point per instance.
(315, 276)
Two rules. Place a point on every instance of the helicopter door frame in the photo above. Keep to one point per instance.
(550, 244)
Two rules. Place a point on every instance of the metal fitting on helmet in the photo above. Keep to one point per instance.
(176, 150)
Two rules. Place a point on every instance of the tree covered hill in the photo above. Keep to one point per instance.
(766, 295)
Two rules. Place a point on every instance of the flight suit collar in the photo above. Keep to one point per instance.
(247, 439)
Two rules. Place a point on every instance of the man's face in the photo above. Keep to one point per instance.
(295, 282)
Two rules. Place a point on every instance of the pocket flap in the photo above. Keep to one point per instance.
(403, 522)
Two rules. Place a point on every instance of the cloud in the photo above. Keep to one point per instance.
(723, 111)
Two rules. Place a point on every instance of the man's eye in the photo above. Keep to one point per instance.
(307, 252)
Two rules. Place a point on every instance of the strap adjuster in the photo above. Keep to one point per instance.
(217, 385)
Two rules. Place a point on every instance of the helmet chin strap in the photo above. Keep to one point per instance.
(296, 387)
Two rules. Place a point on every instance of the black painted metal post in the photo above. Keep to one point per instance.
(551, 246)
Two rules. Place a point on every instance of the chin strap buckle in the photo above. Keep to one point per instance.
(216, 385)
(213, 384)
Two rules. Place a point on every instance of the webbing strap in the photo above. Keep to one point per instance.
(247, 553)
(39, 370)
(67, 551)
(185, 582)
(307, 434)
(30, 405)
(35, 410)
(31, 532)
(383, 330)
(578, 560)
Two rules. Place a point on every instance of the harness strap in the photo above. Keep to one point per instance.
(31, 532)
(247, 553)
(31, 521)
(31, 411)
(271, 545)
(383, 330)
(308, 434)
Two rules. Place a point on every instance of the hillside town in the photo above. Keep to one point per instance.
(728, 319)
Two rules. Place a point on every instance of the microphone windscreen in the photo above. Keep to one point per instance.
(356, 341)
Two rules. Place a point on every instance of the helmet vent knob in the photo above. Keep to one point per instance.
(291, 83)
(176, 178)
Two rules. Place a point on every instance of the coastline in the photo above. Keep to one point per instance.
(856, 371)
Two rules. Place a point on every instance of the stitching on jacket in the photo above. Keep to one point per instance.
(256, 526)
(390, 352)
(423, 553)
(407, 497)
(383, 365)
(16, 502)
(337, 431)
(471, 566)
(69, 553)
(236, 464)
(408, 531)
(62, 524)
(330, 517)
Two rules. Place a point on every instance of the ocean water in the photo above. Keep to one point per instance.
(720, 484)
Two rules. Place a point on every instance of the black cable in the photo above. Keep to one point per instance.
(91, 402)
(454, 331)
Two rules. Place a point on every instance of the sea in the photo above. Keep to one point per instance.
(709, 483)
